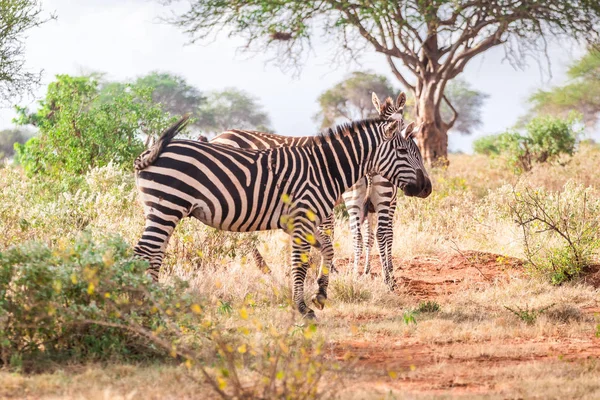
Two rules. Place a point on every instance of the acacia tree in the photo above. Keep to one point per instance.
(231, 108)
(433, 39)
(466, 102)
(351, 99)
(16, 17)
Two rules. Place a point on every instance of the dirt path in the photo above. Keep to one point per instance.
(404, 365)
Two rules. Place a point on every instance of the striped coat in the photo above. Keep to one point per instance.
(289, 188)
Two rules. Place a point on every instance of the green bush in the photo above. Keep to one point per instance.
(51, 299)
(78, 130)
(91, 301)
(544, 140)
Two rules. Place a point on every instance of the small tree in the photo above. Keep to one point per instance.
(544, 140)
(16, 17)
(231, 108)
(467, 103)
(581, 94)
(8, 138)
(78, 132)
(351, 98)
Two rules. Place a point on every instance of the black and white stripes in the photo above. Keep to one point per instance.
(290, 188)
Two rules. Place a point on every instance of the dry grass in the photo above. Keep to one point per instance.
(473, 347)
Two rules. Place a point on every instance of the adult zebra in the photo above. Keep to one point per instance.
(290, 188)
(371, 194)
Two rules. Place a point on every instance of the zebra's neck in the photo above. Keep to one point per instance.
(346, 155)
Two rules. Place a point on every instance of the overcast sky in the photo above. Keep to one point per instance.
(125, 39)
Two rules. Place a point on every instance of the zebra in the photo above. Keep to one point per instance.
(375, 195)
(289, 188)
(371, 194)
(247, 139)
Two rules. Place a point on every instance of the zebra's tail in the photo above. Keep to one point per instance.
(146, 159)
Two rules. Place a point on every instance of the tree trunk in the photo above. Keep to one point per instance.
(433, 136)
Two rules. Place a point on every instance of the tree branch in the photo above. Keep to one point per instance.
(399, 75)
(454, 113)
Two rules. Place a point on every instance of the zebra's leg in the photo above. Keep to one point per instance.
(369, 239)
(325, 246)
(357, 239)
(300, 251)
(326, 232)
(260, 261)
(153, 243)
(385, 239)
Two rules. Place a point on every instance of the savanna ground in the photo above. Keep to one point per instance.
(446, 331)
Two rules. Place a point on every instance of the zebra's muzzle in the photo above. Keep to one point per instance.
(420, 188)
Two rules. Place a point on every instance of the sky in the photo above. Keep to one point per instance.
(126, 39)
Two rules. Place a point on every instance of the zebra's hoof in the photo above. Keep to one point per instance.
(310, 316)
(319, 301)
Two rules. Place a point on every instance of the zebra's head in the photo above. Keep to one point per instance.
(389, 109)
(399, 160)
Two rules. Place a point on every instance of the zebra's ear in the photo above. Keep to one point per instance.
(409, 131)
(376, 102)
(401, 100)
(390, 129)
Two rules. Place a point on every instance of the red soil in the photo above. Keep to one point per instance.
(461, 368)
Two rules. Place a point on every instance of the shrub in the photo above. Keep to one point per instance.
(78, 131)
(544, 140)
(90, 300)
(528, 315)
(428, 307)
(560, 229)
(50, 298)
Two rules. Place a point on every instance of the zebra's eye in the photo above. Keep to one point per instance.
(402, 151)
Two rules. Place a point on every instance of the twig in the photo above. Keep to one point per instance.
(457, 249)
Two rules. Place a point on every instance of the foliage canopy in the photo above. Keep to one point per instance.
(16, 17)
(78, 132)
(582, 94)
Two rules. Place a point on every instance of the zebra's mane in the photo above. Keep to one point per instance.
(346, 128)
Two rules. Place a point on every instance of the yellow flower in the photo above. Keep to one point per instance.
(286, 199)
(304, 258)
(107, 295)
(196, 309)
(242, 349)
(188, 363)
(73, 279)
(91, 288)
(392, 374)
(222, 383)
(311, 215)
(310, 238)
(243, 313)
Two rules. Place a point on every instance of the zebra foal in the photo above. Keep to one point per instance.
(370, 194)
(289, 188)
